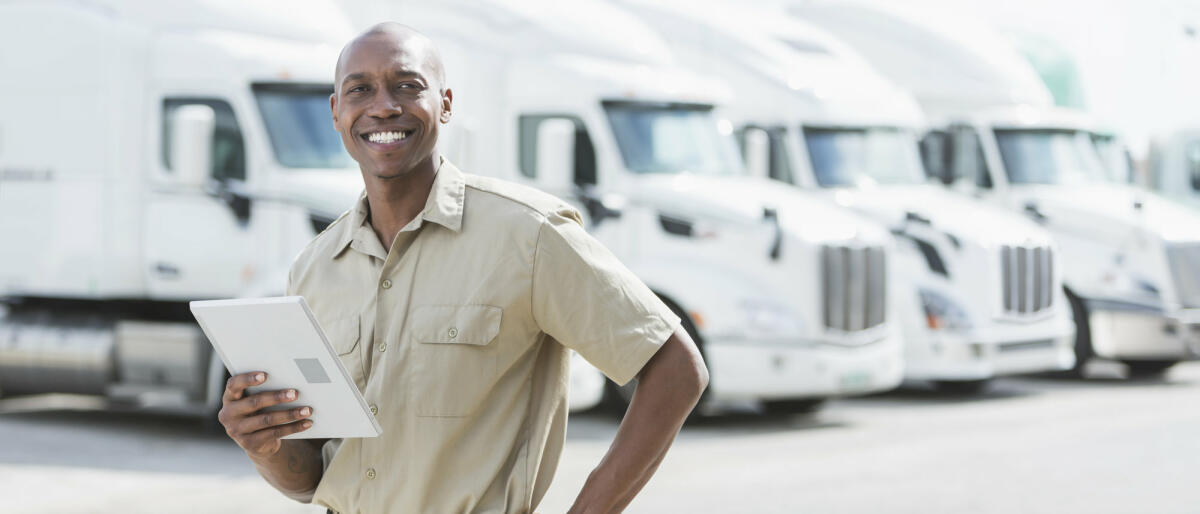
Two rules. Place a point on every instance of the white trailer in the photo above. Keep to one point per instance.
(1130, 257)
(781, 290)
(977, 288)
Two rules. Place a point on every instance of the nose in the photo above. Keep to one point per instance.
(384, 106)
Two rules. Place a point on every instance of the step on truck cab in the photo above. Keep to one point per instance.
(782, 291)
(153, 153)
(1130, 257)
(977, 288)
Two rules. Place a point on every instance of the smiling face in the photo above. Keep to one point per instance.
(389, 101)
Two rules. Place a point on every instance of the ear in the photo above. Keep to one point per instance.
(333, 108)
(447, 100)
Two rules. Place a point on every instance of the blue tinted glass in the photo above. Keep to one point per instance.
(300, 128)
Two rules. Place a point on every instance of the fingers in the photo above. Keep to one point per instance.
(267, 440)
(256, 402)
(236, 386)
(273, 419)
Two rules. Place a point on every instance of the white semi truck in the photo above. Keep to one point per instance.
(977, 288)
(1129, 257)
(199, 160)
(783, 292)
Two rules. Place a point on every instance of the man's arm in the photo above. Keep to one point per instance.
(294, 466)
(669, 386)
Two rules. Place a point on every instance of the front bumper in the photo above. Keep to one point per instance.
(1130, 331)
(756, 370)
(995, 350)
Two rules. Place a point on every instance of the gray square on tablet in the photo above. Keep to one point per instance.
(312, 370)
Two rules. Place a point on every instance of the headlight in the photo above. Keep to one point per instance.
(943, 313)
(769, 318)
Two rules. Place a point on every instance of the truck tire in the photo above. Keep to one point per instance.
(798, 406)
(962, 387)
(1148, 369)
(1083, 336)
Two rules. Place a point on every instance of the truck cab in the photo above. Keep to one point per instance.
(978, 288)
(1130, 256)
(154, 154)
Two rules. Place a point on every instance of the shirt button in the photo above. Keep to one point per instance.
(374, 409)
(387, 283)
(453, 333)
(370, 473)
(382, 347)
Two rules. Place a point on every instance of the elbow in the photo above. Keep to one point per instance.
(300, 496)
(701, 379)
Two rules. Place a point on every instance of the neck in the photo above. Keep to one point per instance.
(396, 200)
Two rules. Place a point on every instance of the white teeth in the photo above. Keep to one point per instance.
(385, 137)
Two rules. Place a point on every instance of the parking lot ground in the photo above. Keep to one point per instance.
(1027, 445)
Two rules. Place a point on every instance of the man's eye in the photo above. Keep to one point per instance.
(409, 85)
(358, 89)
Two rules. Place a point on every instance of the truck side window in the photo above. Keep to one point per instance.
(779, 164)
(937, 156)
(585, 153)
(1191, 159)
(969, 159)
(229, 150)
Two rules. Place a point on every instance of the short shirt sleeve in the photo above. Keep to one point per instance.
(587, 300)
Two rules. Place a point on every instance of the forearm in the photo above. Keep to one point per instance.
(295, 470)
(668, 389)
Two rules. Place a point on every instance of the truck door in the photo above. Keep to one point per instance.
(197, 239)
(556, 155)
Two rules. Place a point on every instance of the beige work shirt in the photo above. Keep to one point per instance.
(457, 337)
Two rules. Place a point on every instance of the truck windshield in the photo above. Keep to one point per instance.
(1048, 156)
(298, 124)
(863, 156)
(672, 138)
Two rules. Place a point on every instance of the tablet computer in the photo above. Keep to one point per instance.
(281, 337)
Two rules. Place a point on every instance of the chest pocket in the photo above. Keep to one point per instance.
(344, 335)
(456, 359)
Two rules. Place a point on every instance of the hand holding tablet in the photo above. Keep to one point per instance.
(256, 430)
(281, 338)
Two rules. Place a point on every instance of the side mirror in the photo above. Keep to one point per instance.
(556, 155)
(192, 128)
(756, 147)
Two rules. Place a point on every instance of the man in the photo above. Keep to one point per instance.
(452, 300)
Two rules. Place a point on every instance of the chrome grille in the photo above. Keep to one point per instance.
(1027, 275)
(853, 282)
(1185, 270)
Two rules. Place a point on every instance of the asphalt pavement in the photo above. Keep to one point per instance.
(1106, 445)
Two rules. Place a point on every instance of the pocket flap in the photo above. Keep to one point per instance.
(456, 324)
(343, 334)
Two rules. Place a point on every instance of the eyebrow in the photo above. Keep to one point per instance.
(403, 73)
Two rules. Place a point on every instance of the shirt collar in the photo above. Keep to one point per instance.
(444, 206)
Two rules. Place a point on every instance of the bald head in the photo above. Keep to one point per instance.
(389, 102)
(397, 36)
